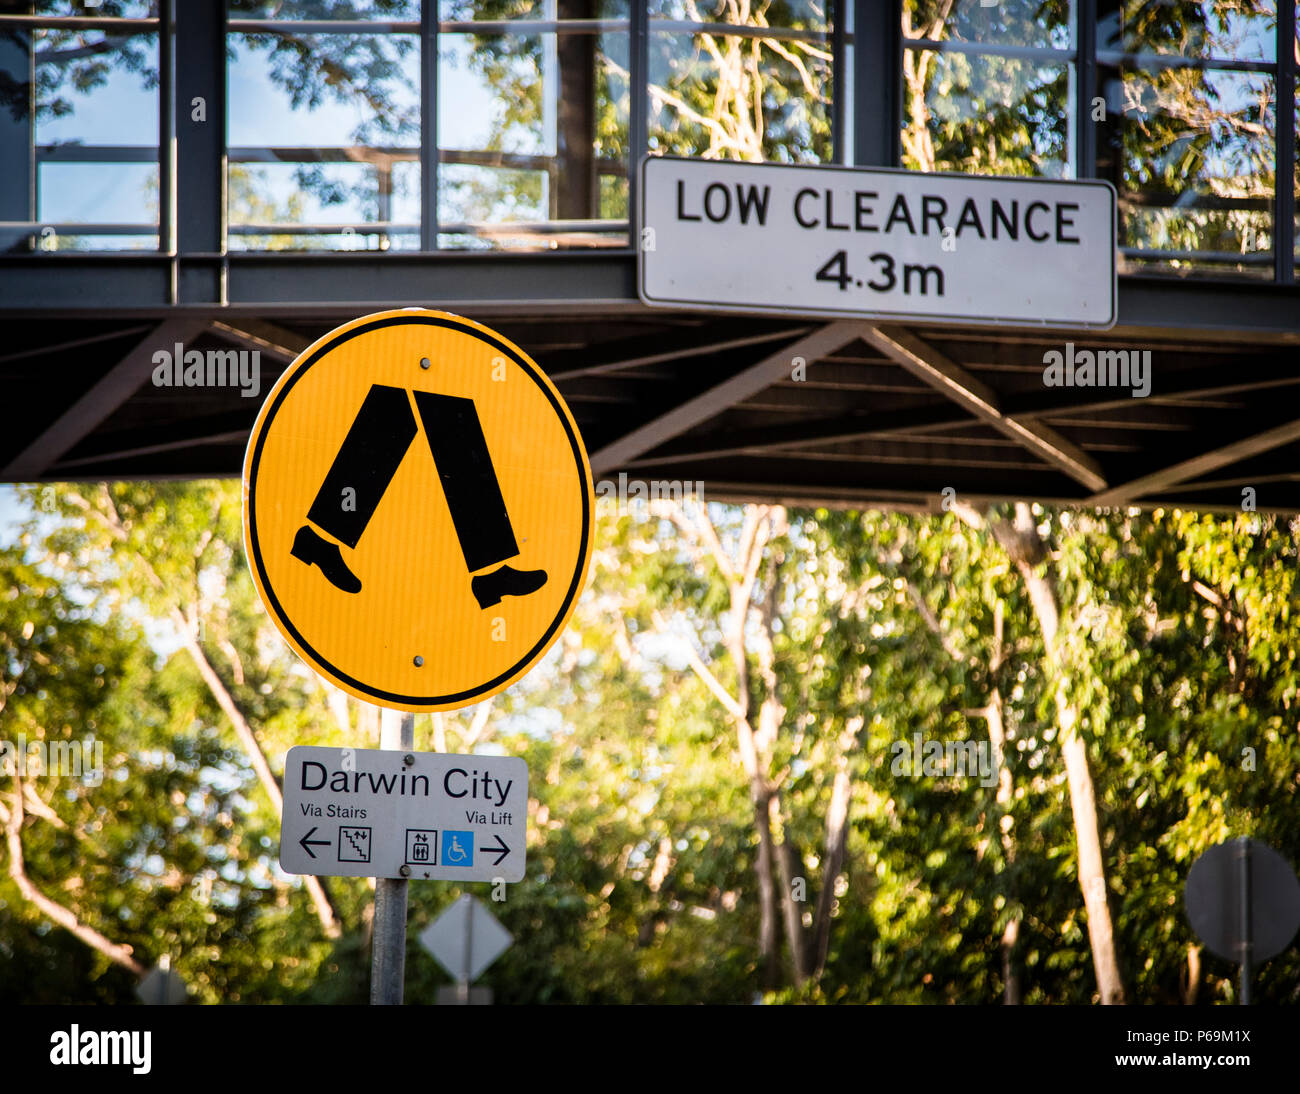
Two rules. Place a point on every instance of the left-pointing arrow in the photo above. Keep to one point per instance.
(307, 843)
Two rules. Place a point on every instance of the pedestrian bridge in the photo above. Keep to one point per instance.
(312, 168)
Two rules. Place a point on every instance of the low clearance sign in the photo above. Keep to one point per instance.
(876, 243)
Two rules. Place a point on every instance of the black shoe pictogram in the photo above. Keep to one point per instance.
(488, 589)
(315, 550)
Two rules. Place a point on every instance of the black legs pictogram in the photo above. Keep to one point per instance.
(460, 453)
(368, 459)
(380, 435)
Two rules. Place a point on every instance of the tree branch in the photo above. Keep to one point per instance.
(119, 954)
(701, 669)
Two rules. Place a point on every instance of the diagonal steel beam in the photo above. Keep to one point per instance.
(711, 403)
(1238, 480)
(927, 363)
(867, 425)
(76, 343)
(106, 449)
(687, 350)
(811, 434)
(276, 342)
(1198, 465)
(233, 436)
(1170, 394)
(99, 402)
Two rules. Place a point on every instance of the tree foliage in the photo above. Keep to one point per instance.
(643, 883)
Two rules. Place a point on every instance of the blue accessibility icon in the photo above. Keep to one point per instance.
(457, 848)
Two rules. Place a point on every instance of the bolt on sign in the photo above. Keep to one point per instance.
(876, 243)
(417, 509)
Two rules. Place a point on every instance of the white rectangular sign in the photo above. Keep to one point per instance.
(876, 243)
(356, 812)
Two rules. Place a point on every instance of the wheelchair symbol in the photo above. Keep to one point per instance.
(458, 848)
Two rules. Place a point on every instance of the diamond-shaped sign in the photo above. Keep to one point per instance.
(162, 987)
(466, 938)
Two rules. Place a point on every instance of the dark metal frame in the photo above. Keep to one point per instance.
(1285, 195)
(428, 127)
(198, 270)
(192, 157)
(877, 80)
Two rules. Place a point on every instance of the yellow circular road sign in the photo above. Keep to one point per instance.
(417, 509)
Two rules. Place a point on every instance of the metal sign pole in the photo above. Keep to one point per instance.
(1247, 941)
(463, 983)
(388, 957)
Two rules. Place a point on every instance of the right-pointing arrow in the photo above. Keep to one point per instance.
(307, 843)
(501, 850)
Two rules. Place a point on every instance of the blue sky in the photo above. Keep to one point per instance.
(11, 513)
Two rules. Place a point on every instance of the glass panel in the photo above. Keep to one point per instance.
(613, 197)
(471, 196)
(1191, 153)
(325, 9)
(318, 124)
(1241, 30)
(490, 92)
(703, 99)
(115, 9)
(324, 90)
(98, 193)
(1047, 24)
(612, 125)
(96, 88)
(456, 11)
(782, 14)
(985, 115)
(80, 113)
(532, 127)
(321, 196)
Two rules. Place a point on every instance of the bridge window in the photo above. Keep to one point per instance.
(516, 125)
(324, 134)
(742, 81)
(1172, 101)
(1190, 134)
(79, 127)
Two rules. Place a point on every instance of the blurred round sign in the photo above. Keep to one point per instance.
(1214, 900)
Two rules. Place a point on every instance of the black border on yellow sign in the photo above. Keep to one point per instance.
(272, 601)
